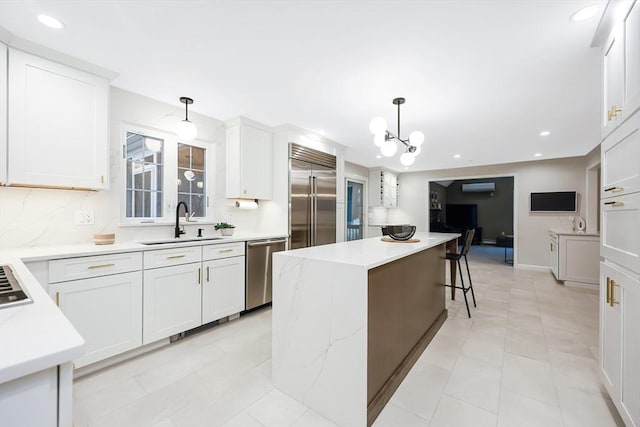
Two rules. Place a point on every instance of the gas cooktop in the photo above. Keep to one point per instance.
(11, 294)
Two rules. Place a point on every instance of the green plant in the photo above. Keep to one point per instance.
(221, 225)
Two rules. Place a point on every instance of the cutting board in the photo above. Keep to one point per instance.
(389, 239)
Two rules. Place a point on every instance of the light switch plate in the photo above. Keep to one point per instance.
(84, 218)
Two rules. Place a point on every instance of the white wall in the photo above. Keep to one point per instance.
(531, 229)
(44, 217)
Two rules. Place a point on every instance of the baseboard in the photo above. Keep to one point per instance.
(85, 370)
(581, 285)
(533, 267)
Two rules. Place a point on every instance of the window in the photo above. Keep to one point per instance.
(192, 178)
(161, 172)
(144, 176)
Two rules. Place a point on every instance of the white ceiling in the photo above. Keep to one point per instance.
(481, 78)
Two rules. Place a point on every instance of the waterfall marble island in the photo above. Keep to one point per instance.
(350, 319)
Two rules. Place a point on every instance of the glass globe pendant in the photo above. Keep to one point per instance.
(185, 129)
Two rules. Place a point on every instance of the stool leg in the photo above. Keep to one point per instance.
(470, 282)
(464, 291)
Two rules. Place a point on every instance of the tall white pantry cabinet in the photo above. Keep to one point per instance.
(620, 214)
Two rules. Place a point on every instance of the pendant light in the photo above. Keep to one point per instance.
(185, 129)
(386, 140)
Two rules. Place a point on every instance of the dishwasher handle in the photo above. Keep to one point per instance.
(267, 243)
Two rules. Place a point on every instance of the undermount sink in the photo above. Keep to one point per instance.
(165, 242)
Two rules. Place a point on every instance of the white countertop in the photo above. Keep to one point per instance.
(37, 336)
(566, 232)
(34, 336)
(63, 251)
(369, 253)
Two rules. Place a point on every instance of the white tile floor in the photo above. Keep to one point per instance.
(527, 357)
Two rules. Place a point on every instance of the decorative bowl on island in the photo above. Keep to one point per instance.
(399, 232)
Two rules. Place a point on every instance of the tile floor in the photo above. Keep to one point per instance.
(527, 357)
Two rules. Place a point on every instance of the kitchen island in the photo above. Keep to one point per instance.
(350, 319)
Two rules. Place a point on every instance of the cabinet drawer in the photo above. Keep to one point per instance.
(620, 232)
(224, 250)
(174, 256)
(620, 154)
(63, 270)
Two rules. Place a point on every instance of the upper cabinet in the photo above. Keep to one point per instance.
(3, 113)
(383, 189)
(57, 125)
(621, 69)
(249, 160)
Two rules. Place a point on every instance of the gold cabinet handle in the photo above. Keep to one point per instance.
(225, 250)
(207, 273)
(58, 299)
(612, 298)
(614, 189)
(91, 267)
(199, 274)
(609, 115)
(614, 204)
(615, 110)
(175, 256)
(608, 296)
(551, 247)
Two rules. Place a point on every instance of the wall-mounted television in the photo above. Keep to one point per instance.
(556, 201)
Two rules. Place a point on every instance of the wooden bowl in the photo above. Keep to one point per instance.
(104, 239)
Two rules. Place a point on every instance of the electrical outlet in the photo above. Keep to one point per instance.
(84, 218)
(226, 216)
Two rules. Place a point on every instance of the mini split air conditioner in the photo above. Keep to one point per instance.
(479, 187)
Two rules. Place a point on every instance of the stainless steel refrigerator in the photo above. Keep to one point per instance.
(312, 197)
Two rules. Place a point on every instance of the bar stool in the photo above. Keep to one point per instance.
(468, 238)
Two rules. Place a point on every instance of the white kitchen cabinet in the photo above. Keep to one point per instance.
(106, 311)
(383, 189)
(31, 400)
(612, 97)
(249, 147)
(574, 257)
(223, 283)
(3, 113)
(57, 124)
(171, 301)
(554, 257)
(620, 230)
(610, 333)
(620, 152)
(223, 288)
(621, 69)
(619, 347)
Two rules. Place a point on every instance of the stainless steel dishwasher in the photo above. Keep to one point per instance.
(258, 284)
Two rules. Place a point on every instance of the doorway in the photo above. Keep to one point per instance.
(355, 210)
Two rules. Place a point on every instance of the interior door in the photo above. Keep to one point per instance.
(324, 184)
(299, 204)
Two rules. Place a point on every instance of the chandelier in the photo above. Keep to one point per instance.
(386, 139)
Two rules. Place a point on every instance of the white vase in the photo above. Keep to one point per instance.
(227, 231)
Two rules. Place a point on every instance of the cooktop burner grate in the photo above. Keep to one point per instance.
(10, 291)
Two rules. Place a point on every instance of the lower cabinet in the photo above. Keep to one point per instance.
(574, 257)
(31, 400)
(223, 288)
(172, 301)
(106, 311)
(619, 346)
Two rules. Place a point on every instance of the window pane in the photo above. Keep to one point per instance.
(197, 158)
(184, 156)
(192, 178)
(144, 180)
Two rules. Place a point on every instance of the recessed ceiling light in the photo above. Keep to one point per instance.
(406, 167)
(537, 155)
(545, 133)
(50, 21)
(378, 156)
(585, 13)
(456, 156)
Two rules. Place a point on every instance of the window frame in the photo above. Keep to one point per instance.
(170, 175)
